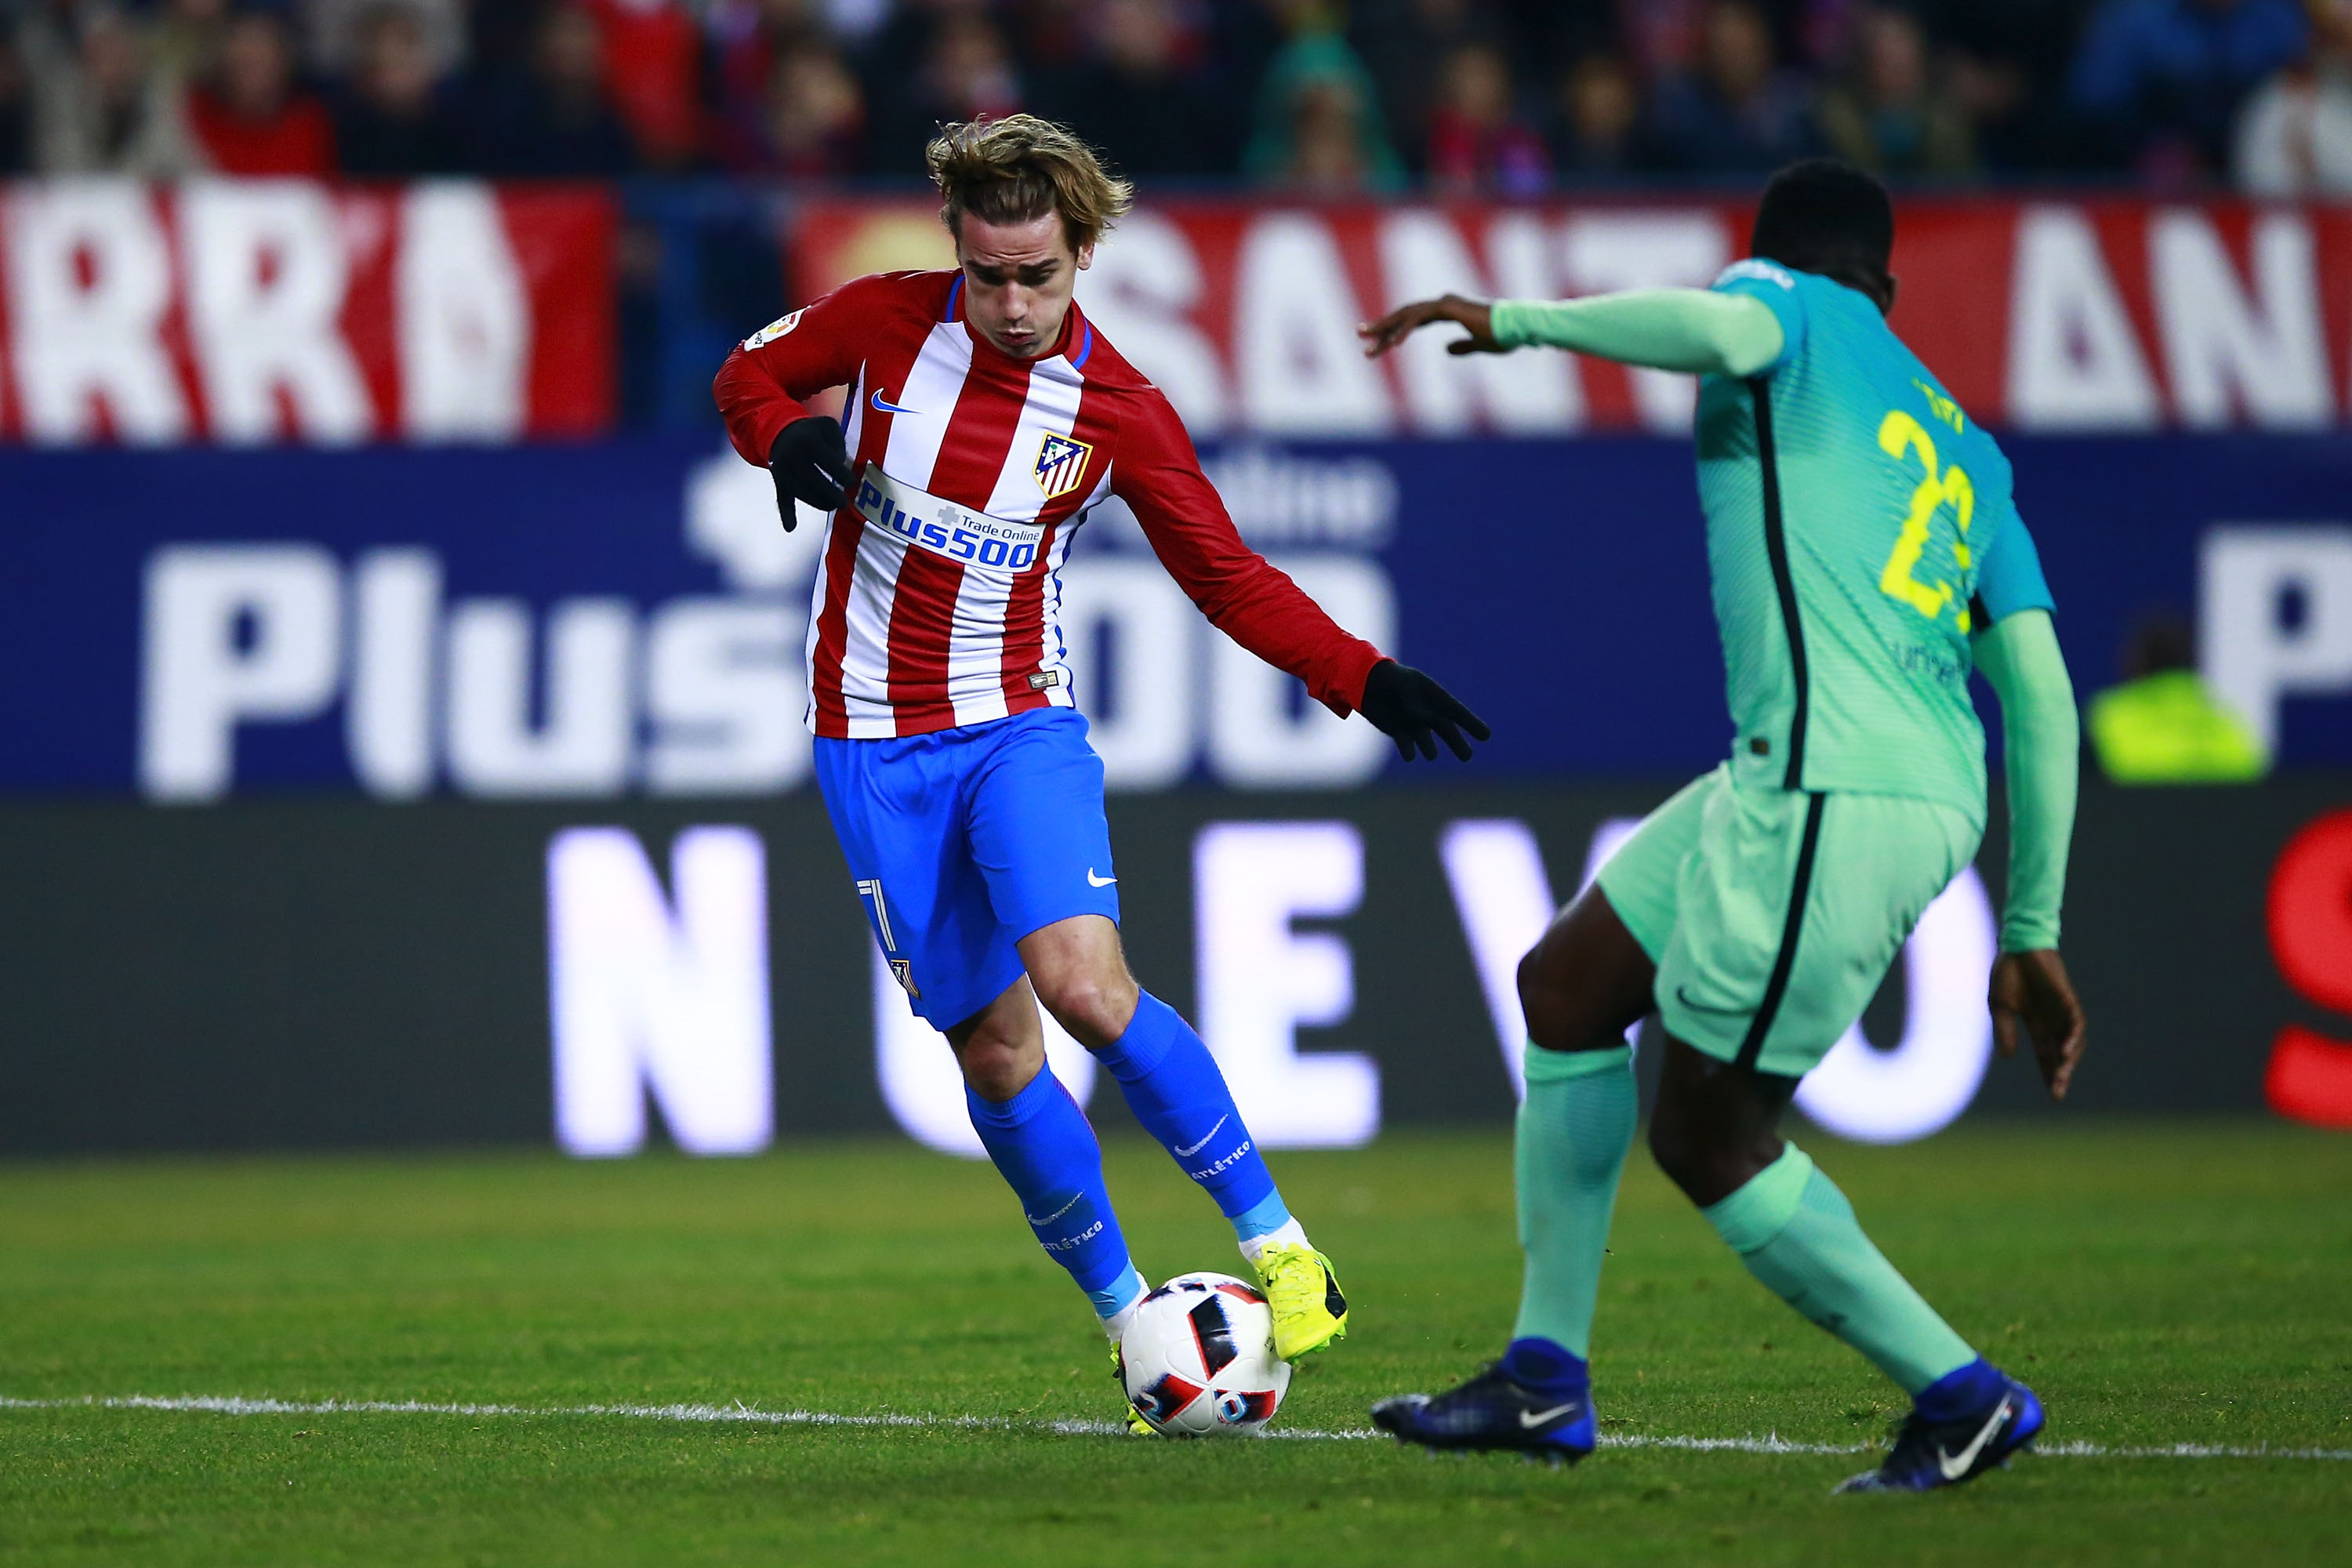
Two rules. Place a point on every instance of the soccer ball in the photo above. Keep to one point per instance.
(1198, 1359)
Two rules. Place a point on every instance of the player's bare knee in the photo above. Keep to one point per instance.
(1095, 1005)
(1708, 1164)
(1542, 1003)
(1558, 1019)
(1000, 1050)
(992, 1074)
(997, 1067)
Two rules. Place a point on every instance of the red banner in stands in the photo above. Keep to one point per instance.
(257, 310)
(2117, 315)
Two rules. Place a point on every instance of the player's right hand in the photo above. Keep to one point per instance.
(2032, 989)
(809, 462)
(1414, 712)
(1401, 323)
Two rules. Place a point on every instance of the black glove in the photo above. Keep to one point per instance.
(809, 462)
(1413, 711)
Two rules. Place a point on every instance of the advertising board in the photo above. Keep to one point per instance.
(2116, 315)
(246, 311)
(249, 311)
(625, 617)
(314, 972)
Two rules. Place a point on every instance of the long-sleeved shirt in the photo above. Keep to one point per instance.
(937, 600)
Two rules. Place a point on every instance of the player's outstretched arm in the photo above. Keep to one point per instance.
(1696, 330)
(1477, 315)
(2019, 657)
(1158, 474)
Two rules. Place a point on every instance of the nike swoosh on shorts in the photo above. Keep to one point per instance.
(1095, 881)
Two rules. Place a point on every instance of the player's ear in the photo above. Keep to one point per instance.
(1886, 304)
(1086, 256)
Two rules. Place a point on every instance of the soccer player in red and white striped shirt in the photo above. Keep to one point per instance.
(985, 417)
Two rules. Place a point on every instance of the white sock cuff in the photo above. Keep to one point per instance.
(1290, 1233)
(1114, 1326)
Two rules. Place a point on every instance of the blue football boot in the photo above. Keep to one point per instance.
(1493, 1411)
(1930, 1454)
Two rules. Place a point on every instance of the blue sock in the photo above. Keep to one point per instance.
(1961, 1393)
(1042, 1145)
(1172, 1085)
(1120, 1294)
(1547, 1368)
(1264, 1217)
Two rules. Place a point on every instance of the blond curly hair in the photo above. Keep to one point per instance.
(1020, 167)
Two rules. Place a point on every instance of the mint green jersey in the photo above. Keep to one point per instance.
(1859, 527)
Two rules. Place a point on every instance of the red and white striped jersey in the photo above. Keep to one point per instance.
(938, 595)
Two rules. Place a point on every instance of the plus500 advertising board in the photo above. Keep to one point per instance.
(626, 617)
(576, 670)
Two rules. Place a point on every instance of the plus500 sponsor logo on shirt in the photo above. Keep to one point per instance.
(944, 527)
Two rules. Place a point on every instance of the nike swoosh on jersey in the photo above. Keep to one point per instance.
(1188, 1153)
(1532, 1419)
(1956, 1466)
(883, 404)
(1095, 881)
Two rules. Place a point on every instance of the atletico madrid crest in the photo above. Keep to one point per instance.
(1061, 464)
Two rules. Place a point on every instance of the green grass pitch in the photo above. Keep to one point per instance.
(2157, 1284)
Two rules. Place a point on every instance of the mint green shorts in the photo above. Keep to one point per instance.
(1772, 915)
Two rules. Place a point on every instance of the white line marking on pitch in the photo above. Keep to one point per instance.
(231, 1404)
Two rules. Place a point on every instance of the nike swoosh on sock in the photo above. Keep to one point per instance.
(1058, 1213)
(1211, 1132)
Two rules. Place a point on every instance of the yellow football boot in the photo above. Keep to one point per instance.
(1137, 1426)
(1310, 1312)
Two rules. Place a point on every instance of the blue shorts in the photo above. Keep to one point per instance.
(963, 841)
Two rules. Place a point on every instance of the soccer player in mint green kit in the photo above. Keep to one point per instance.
(1865, 555)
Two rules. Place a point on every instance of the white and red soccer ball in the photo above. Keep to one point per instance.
(1198, 1359)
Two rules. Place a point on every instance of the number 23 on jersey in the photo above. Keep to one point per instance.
(1900, 435)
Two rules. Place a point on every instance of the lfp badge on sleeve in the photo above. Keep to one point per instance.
(1061, 464)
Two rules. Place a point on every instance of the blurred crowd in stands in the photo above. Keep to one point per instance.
(1315, 96)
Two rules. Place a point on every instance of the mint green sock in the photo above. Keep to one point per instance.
(1575, 1126)
(1797, 1233)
